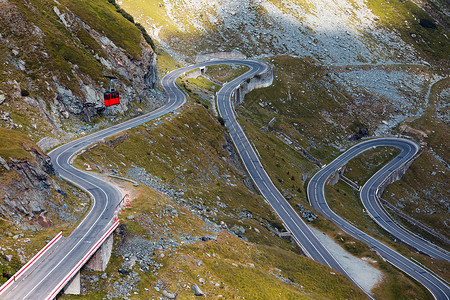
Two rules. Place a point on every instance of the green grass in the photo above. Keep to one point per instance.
(303, 118)
(191, 145)
(304, 101)
(372, 159)
(199, 167)
(423, 189)
(102, 15)
(225, 73)
(250, 278)
(51, 52)
(14, 145)
(403, 17)
(166, 62)
(204, 83)
(346, 202)
(419, 190)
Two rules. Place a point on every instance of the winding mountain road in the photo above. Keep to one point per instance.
(316, 195)
(48, 275)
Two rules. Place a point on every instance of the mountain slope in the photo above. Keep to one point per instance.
(55, 57)
(333, 32)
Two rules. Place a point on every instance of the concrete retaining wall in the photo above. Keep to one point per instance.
(74, 285)
(257, 82)
(397, 175)
(219, 55)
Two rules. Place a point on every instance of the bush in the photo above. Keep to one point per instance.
(125, 15)
(221, 120)
(427, 23)
(147, 38)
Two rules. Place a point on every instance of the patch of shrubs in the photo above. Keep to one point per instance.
(221, 120)
(130, 18)
(427, 23)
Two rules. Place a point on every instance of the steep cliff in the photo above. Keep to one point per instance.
(35, 203)
(32, 194)
(55, 54)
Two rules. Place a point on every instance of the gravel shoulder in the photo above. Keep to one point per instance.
(366, 275)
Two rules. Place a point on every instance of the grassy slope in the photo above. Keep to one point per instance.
(49, 52)
(225, 73)
(56, 54)
(403, 17)
(240, 269)
(188, 156)
(187, 151)
(287, 167)
(66, 49)
(423, 192)
(14, 145)
(278, 160)
(346, 203)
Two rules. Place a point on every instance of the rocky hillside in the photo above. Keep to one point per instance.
(333, 32)
(196, 225)
(54, 57)
(34, 203)
(348, 69)
(208, 224)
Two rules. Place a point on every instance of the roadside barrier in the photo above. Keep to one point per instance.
(82, 262)
(30, 263)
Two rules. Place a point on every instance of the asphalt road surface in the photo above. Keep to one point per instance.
(316, 195)
(43, 279)
(291, 220)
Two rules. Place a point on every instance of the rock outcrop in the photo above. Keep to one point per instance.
(32, 195)
(55, 70)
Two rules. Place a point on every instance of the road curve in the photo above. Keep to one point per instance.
(291, 220)
(316, 196)
(42, 281)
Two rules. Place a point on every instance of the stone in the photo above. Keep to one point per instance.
(4, 163)
(8, 257)
(197, 291)
(130, 217)
(169, 295)
(208, 237)
(123, 272)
